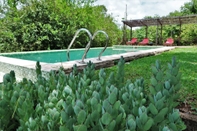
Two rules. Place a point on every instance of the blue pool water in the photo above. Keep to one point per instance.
(76, 54)
(61, 56)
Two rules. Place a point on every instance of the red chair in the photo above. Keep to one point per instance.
(169, 42)
(144, 42)
(132, 42)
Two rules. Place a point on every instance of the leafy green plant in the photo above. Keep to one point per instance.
(83, 101)
(43, 25)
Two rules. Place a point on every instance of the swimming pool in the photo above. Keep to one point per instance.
(23, 63)
(55, 56)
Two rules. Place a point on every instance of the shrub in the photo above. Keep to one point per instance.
(90, 101)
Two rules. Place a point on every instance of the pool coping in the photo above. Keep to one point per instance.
(26, 68)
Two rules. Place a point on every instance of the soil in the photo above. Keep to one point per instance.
(191, 125)
(189, 116)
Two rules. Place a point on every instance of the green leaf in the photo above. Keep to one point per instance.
(132, 124)
(44, 119)
(63, 128)
(143, 118)
(176, 116)
(96, 95)
(54, 99)
(80, 128)
(68, 90)
(173, 127)
(106, 105)
(157, 64)
(112, 125)
(32, 123)
(167, 85)
(175, 71)
(101, 80)
(159, 76)
(166, 93)
(148, 124)
(159, 95)
(117, 105)
(88, 120)
(160, 116)
(143, 101)
(81, 116)
(119, 118)
(79, 103)
(94, 101)
(153, 109)
(153, 81)
(125, 96)
(159, 104)
(70, 83)
(154, 70)
(77, 109)
(106, 118)
(112, 98)
(95, 115)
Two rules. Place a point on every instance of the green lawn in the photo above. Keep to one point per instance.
(187, 57)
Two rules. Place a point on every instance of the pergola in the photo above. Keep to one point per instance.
(179, 20)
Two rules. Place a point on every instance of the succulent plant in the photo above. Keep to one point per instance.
(89, 101)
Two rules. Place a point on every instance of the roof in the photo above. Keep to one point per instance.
(162, 21)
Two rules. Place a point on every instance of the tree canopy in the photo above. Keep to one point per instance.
(51, 24)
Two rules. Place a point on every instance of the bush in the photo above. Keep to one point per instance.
(51, 24)
(90, 101)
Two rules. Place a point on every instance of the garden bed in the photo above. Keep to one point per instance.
(189, 116)
(191, 125)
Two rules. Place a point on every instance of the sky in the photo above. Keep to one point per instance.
(138, 9)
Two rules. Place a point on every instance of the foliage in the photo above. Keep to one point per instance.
(185, 36)
(189, 7)
(41, 25)
(85, 101)
(188, 34)
(188, 61)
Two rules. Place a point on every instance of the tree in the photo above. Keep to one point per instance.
(189, 7)
(51, 24)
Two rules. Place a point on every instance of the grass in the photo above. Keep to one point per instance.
(187, 57)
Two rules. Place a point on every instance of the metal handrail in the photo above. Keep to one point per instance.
(88, 45)
(107, 41)
(86, 51)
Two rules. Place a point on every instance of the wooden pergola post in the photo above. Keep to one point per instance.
(179, 40)
(160, 40)
(124, 35)
(161, 35)
(157, 35)
(131, 33)
(146, 32)
(180, 35)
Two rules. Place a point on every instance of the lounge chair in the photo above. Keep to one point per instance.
(144, 42)
(132, 42)
(169, 42)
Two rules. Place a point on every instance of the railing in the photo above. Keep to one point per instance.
(107, 41)
(89, 43)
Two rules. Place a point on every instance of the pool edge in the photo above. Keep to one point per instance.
(26, 68)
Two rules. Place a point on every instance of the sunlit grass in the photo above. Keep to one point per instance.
(187, 58)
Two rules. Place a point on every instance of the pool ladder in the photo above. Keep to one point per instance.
(89, 43)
